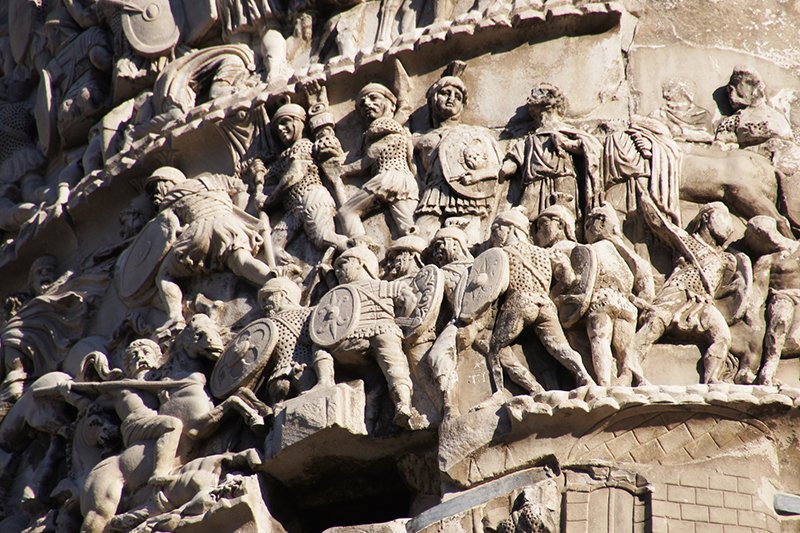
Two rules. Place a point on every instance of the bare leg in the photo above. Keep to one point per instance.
(720, 336)
(403, 214)
(168, 288)
(548, 329)
(166, 449)
(624, 332)
(351, 212)
(780, 315)
(600, 329)
(517, 371)
(509, 325)
(429, 225)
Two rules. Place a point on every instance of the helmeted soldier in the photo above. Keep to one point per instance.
(528, 304)
(404, 257)
(214, 232)
(368, 309)
(296, 180)
(686, 301)
(460, 162)
(294, 353)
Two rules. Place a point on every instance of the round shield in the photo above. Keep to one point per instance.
(45, 114)
(428, 285)
(336, 316)
(138, 264)
(486, 281)
(574, 304)
(150, 26)
(469, 161)
(243, 361)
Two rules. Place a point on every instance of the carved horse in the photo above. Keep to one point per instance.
(745, 181)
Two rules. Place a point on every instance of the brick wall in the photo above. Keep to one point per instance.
(699, 502)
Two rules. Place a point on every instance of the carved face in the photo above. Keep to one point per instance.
(43, 274)
(548, 231)
(272, 302)
(139, 360)
(289, 130)
(500, 234)
(598, 228)
(401, 263)
(445, 251)
(374, 105)
(448, 102)
(348, 269)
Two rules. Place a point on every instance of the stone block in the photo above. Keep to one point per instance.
(680, 494)
(708, 528)
(694, 479)
(339, 407)
(711, 498)
(675, 439)
(695, 513)
(719, 515)
(752, 519)
(722, 482)
(738, 501)
(666, 509)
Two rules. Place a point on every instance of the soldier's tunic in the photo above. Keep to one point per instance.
(377, 330)
(684, 294)
(293, 351)
(390, 148)
(305, 198)
(212, 230)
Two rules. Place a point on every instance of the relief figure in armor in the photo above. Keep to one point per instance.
(703, 271)
(295, 180)
(527, 304)
(460, 163)
(389, 162)
(776, 284)
(216, 233)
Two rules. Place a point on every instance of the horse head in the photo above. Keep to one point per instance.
(200, 338)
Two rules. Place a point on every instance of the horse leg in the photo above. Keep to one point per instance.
(100, 497)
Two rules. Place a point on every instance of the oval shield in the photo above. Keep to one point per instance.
(470, 162)
(336, 316)
(244, 359)
(150, 26)
(138, 264)
(428, 285)
(486, 281)
(574, 304)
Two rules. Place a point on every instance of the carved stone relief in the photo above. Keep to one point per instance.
(398, 266)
